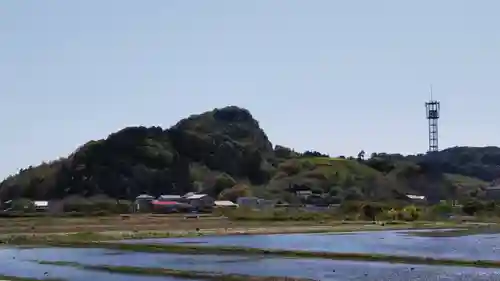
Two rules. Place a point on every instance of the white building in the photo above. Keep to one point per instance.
(225, 204)
(41, 205)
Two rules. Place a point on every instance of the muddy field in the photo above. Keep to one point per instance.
(206, 224)
(136, 222)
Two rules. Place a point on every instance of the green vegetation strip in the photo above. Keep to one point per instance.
(200, 275)
(224, 250)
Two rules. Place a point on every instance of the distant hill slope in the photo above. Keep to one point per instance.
(476, 162)
(215, 150)
(337, 177)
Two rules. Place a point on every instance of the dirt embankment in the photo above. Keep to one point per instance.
(147, 225)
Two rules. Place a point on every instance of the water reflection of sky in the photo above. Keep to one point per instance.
(319, 269)
(17, 263)
(484, 246)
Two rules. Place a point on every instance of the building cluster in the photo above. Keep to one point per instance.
(194, 202)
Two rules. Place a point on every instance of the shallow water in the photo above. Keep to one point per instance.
(14, 262)
(319, 269)
(484, 246)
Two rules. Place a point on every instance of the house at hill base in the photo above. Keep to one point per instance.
(41, 206)
(201, 202)
(304, 194)
(255, 203)
(416, 198)
(143, 203)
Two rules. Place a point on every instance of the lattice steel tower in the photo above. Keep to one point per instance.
(432, 110)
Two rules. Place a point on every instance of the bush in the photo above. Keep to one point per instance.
(277, 215)
(442, 208)
(409, 213)
(371, 211)
(77, 204)
(353, 194)
(350, 207)
(472, 207)
(223, 181)
(96, 206)
(291, 167)
(490, 206)
(392, 213)
(233, 193)
(315, 174)
(22, 205)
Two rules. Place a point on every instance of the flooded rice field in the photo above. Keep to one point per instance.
(22, 262)
(15, 263)
(480, 246)
(25, 262)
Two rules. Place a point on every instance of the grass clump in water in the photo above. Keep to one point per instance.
(457, 232)
(277, 214)
(47, 239)
(200, 275)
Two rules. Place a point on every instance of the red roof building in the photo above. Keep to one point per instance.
(164, 203)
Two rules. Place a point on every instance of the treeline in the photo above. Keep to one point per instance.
(373, 211)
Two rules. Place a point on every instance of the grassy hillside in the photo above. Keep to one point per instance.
(337, 177)
(466, 181)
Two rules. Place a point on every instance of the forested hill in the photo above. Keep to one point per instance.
(224, 152)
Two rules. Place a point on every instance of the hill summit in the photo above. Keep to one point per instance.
(225, 150)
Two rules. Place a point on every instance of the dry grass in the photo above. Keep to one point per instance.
(149, 225)
(134, 222)
(107, 223)
(198, 275)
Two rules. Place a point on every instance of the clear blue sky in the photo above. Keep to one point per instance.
(334, 76)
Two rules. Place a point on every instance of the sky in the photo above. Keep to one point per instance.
(334, 76)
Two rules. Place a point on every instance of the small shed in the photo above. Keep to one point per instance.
(415, 197)
(41, 206)
(304, 194)
(143, 203)
(248, 202)
(201, 201)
